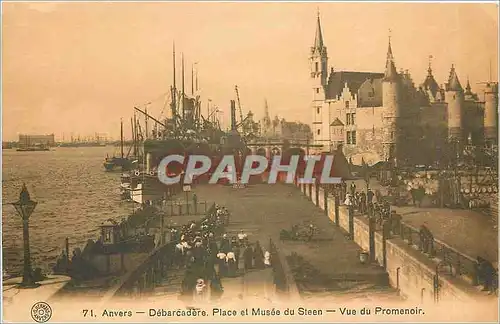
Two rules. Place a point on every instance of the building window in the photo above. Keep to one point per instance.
(348, 119)
(347, 104)
(392, 135)
(348, 137)
(353, 137)
(353, 119)
(318, 131)
(317, 110)
(317, 90)
(371, 94)
(317, 66)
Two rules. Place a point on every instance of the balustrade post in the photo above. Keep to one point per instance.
(371, 237)
(325, 199)
(459, 264)
(337, 203)
(351, 221)
(385, 235)
(410, 236)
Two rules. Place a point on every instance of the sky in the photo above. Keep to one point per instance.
(80, 67)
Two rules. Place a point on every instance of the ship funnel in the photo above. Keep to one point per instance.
(233, 115)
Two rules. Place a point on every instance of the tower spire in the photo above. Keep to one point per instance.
(468, 88)
(318, 39)
(453, 82)
(390, 69)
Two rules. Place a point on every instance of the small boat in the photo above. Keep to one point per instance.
(125, 163)
(114, 162)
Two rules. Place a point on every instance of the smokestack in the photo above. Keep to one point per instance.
(192, 80)
(233, 115)
(183, 93)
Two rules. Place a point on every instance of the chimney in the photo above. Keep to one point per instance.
(233, 115)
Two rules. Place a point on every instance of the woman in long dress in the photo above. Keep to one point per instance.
(231, 264)
(258, 256)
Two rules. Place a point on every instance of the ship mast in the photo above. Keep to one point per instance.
(183, 93)
(174, 93)
(121, 136)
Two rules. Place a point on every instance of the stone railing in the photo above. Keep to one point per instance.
(446, 274)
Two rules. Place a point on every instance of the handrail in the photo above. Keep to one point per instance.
(131, 276)
(442, 243)
(138, 270)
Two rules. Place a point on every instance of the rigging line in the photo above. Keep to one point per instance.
(153, 100)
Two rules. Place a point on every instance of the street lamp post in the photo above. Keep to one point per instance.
(25, 207)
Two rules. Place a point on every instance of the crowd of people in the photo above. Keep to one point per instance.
(209, 254)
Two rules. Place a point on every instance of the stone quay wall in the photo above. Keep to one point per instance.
(411, 272)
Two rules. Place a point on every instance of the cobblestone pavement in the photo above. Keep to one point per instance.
(262, 211)
(470, 232)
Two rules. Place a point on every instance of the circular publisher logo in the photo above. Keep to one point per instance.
(41, 312)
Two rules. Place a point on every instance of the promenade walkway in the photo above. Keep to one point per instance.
(262, 211)
(467, 231)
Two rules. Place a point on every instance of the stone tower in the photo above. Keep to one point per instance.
(319, 68)
(491, 113)
(391, 100)
(455, 99)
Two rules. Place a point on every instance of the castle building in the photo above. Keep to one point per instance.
(385, 117)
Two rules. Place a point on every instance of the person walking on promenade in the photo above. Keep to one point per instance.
(221, 264)
(267, 259)
(237, 252)
(353, 188)
(231, 264)
(247, 258)
(195, 203)
(362, 202)
(242, 237)
(258, 256)
(396, 222)
(225, 244)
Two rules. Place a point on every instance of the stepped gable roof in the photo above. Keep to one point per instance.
(354, 80)
(337, 122)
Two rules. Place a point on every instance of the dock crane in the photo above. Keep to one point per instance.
(242, 119)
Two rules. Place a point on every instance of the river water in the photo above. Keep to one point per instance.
(74, 194)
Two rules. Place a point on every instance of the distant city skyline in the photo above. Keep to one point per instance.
(80, 67)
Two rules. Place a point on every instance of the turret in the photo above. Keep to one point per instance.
(455, 99)
(491, 113)
(392, 107)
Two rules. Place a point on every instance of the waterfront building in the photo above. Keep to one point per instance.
(385, 117)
